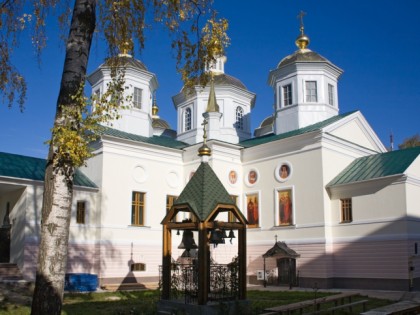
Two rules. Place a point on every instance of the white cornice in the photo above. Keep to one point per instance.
(341, 145)
(291, 145)
(365, 187)
(22, 182)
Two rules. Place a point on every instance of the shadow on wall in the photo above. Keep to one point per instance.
(386, 259)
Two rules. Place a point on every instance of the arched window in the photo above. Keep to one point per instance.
(239, 118)
(187, 119)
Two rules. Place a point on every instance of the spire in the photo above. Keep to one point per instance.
(302, 41)
(212, 103)
(204, 150)
(155, 108)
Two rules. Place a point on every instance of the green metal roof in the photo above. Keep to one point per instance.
(376, 166)
(204, 192)
(26, 167)
(156, 140)
(272, 137)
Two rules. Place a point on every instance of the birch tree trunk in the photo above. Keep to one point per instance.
(58, 184)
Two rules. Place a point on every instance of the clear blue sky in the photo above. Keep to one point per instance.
(375, 42)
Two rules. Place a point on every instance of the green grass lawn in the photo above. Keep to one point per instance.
(144, 302)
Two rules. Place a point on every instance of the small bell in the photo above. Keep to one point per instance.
(231, 235)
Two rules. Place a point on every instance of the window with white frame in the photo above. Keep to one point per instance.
(138, 203)
(311, 91)
(187, 119)
(96, 98)
(346, 210)
(137, 97)
(287, 95)
(330, 94)
(239, 118)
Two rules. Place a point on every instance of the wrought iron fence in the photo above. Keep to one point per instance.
(224, 282)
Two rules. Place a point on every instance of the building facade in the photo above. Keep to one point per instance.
(317, 180)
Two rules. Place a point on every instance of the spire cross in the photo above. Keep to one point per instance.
(300, 16)
(204, 124)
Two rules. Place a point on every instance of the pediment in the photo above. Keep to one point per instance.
(354, 128)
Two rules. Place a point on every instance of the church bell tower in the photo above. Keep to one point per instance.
(305, 87)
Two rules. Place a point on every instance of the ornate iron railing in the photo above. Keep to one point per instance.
(224, 282)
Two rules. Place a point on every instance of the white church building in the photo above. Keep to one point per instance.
(318, 185)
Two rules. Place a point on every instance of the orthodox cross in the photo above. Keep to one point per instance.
(300, 16)
(204, 124)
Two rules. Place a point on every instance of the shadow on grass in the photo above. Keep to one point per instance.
(144, 302)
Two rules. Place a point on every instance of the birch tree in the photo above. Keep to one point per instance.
(198, 37)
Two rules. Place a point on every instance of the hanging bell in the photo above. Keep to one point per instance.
(231, 235)
(216, 237)
(187, 241)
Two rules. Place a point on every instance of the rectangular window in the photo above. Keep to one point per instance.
(231, 217)
(311, 92)
(187, 118)
(346, 210)
(80, 212)
(330, 95)
(138, 267)
(137, 98)
(287, 95)
(137, 208)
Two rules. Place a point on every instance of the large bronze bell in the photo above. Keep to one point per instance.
(187, 242)
(216, 237)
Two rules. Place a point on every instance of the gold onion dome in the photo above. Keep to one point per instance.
(302, 41)
(204, 150)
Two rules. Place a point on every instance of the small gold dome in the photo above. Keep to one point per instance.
(204, 150)
(302, 41)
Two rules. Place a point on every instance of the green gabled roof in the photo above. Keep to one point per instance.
(376, 166)
(204, 192)
(156, 140)
(26, 167)
(272, 137)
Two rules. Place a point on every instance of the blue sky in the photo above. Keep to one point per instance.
(375, 42)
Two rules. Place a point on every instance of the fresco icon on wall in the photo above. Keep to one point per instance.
(233, 177)
(252, 210)
(252, 177)
(285, 207)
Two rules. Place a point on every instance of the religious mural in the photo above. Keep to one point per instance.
(285, 207)
(252, 202)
